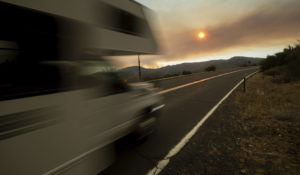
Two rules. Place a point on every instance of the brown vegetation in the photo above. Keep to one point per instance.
(270, 117)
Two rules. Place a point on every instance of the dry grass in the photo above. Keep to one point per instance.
(270, 115)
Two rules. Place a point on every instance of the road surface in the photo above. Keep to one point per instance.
(184, 108)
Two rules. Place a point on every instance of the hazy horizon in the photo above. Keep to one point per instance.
(187, 61)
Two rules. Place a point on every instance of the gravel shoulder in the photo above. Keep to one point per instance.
(257, 132)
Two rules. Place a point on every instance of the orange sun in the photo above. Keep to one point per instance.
(201, 35)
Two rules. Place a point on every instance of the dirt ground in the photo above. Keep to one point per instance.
(257, 132)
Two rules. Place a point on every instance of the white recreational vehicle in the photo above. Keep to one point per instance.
(61, 103)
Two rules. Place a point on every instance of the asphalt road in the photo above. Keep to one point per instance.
(184, 108)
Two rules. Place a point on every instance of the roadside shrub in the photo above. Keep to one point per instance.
(186, 72)
(286, 63)
(274, 71)
(293, 68)
(170, 75)
(210, 68)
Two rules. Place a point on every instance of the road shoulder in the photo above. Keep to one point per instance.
(256, 132)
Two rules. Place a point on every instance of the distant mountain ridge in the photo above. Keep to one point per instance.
(148, 74)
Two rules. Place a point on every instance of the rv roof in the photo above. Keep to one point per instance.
(128, 30)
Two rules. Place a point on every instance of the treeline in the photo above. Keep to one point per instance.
(184, 72)
(285, 63)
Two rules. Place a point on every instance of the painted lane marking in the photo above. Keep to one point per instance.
(164, 162)
(199, 81)
(158, 108)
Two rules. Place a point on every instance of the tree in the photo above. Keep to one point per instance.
(210, 68)
(286, 63)
(186, 72)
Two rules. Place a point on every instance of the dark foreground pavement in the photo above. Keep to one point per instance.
(211, 149)
(184, 108)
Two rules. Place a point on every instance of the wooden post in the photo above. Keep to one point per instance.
(244, 84)
(139, 62)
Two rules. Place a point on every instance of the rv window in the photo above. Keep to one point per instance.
(121, 21)
(27, 38)
(34, 33)
(101, 75)
(23, 80)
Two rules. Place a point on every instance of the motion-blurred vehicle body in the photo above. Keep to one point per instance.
(61, 103)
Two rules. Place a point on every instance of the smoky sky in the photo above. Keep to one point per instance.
(261, 27)
(232, 26)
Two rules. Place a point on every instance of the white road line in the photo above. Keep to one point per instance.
(199, 81)
(158, 107)
(164, 162)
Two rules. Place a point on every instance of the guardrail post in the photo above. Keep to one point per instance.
(244, 84)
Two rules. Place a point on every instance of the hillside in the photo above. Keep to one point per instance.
(131, 73)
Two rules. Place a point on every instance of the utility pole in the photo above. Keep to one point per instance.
(139, 62)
